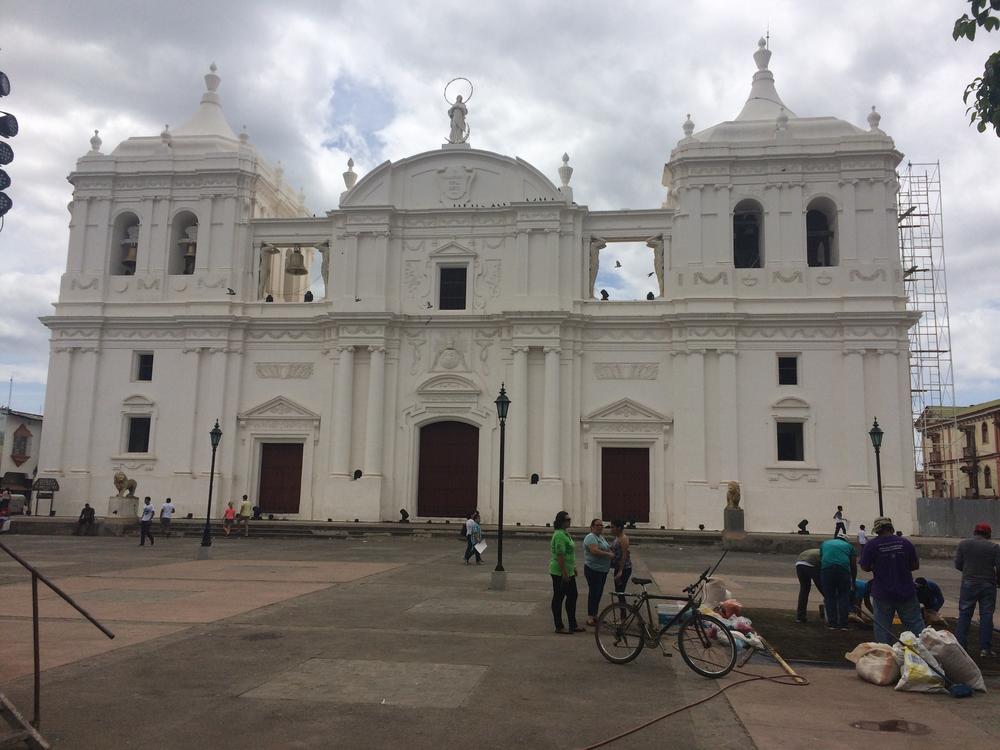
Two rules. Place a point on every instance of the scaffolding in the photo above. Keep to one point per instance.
(921, 245)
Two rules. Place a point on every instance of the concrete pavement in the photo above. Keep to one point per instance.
(392, 641)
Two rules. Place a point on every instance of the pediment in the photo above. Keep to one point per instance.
(790, 402)
(279, 407)
(453, 250)
(463, 178)
(448, 384)
(137, 399)
(627, 410)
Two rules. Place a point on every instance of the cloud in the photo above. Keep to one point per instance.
(317, 82)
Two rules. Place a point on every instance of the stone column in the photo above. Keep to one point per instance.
(890, 417)
(856, 421)
(550, 427)
(376, 409)
(519, 413)
(696, 414)
(57, 412)
(343, 405)
(728, 416)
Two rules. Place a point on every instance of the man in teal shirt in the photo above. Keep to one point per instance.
(838, 569)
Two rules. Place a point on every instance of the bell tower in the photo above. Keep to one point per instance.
(167, 218)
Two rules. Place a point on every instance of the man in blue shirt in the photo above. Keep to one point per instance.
(838, 569)
(892, 559)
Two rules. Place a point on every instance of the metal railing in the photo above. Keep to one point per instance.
(36, 576)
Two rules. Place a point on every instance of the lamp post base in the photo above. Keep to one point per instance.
(498, 580)
(204, 553)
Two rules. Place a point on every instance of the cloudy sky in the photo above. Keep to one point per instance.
(609, 83)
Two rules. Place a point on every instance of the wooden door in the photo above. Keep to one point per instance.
(280, 477)
(448, 479)
(625, 484)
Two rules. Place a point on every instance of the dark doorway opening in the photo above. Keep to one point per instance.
(280, 477)
(448, 473)
(625, 484)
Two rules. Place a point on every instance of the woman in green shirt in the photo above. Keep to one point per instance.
(562, 568)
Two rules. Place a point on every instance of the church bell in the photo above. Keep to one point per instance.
(295, 264)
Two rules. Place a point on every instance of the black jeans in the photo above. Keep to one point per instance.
(595, 588)
(564, 589)
(808, 577)
(470, 550)
(145, 529)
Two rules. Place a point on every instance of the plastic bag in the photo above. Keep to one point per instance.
(875, 663)
(954, 660)
(715, 591)
(915, 675)
(729, 607)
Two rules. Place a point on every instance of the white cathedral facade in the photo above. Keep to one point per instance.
(779, 331)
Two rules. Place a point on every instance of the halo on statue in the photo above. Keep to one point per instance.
(464, 98)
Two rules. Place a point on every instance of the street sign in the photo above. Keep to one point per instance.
(46, 484)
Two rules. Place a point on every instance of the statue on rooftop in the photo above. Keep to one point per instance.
(457, 113)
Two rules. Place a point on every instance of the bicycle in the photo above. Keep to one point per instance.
(705, 643)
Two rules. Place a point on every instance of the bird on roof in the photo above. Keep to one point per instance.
(229, 291)
(618, 264)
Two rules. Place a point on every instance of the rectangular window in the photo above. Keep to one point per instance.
(138, 434)
(452, 289)
(790, 447)
(788, 370)
(143, 366)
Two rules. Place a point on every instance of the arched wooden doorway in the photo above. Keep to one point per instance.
(448, 475)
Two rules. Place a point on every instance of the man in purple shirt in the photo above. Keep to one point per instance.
(892, 559)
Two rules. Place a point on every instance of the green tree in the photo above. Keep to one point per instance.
(986, 105)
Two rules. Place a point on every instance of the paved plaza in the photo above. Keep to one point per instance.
(383, 641)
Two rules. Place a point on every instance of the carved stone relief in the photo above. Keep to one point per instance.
(451, 354)
(285, 370)
(626, 370)
(487, 285)
(878, 274)
(700, 278)
(795, 276)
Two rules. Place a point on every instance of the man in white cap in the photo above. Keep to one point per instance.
(892, 559)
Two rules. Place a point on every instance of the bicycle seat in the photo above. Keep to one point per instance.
(642, 581)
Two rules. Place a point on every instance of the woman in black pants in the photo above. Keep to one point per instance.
(562, 569)
(597, 556)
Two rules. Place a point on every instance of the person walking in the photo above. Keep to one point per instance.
(622, 560)
(979, 560)
(862, 536)
(892, 559)
(166, 514)
(840, 523)
(146, 522)
(597, 557)
(838, 569)
(229, 518)
(807, 571)
(246, 510)
(562, 569)
(473, 536)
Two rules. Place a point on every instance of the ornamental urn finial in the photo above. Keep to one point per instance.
(211, 78)
(565, 171)
(874, 118)
(782, 119)
(244, 135)
(95, 143)
(763, 55)
(350, 176)
(688, 126)
(166, 138)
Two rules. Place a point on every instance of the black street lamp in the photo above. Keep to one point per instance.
(503, 404)
(216, 435)
(875, 433)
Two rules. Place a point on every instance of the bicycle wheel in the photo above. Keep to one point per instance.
(707, 646)
(620, 632)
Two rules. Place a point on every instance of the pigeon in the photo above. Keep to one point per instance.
(618, 264)
(357, 299)
(429, 305)
(230, 292)
(650, 274)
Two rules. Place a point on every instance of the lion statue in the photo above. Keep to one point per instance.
(733, 495)
(123, 483)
